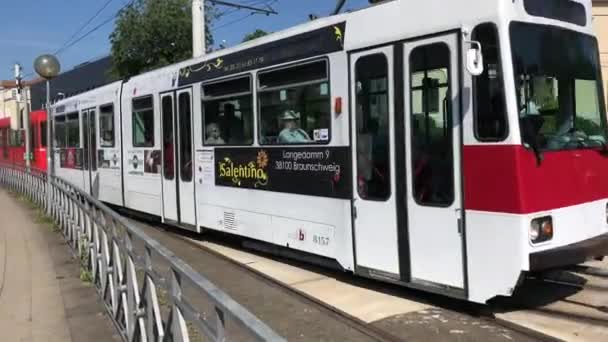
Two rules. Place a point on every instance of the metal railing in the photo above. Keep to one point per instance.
(146, 301)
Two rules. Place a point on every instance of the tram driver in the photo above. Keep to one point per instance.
(291, 133)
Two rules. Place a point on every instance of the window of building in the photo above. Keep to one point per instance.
(372, 111)
(106, 126)
(295, 104)
(60, 131)
(143, 122)
(72, 129)
(185, 136)
(228, 112)
(431, 122)
(490, 111)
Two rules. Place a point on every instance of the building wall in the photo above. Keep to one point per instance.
(600, 24)
(10, 107)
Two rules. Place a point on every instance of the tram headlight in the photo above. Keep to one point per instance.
(541, 229)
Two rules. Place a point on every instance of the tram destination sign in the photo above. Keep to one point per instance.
(323, 171)
(309, 44)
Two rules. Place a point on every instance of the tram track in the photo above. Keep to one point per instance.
(569, 303)
(374, 332)
(472, 310)
(367, 329)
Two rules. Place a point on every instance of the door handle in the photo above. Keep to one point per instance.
(459, 220)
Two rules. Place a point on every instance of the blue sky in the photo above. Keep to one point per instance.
(33, 27)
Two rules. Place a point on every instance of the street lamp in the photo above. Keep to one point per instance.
(48, 67)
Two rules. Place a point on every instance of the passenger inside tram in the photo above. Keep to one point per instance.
(292, 133)
(213, 136)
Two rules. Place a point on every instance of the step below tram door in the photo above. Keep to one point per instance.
(177, 163)
(407, 204)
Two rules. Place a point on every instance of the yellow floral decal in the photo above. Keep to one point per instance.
(339, 35)
(262, 159)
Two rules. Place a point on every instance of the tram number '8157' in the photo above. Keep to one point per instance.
(320, 240)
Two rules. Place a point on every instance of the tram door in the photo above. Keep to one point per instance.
(89, 129)
(178, 185)
(374, 207)
(433, 140)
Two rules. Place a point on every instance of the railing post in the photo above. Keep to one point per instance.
(179, 330)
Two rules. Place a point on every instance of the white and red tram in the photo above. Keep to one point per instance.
(448, 146)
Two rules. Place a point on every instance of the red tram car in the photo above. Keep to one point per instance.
(12, 142)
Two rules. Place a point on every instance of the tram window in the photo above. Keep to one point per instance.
(60, 131)
(43, 134)
(185, 137)
(372, 111)
(228, 112)
(490, 111)
(32, 136)
(168, 147)
(93, 136)
(106, 126)
(72, 127)
(431, 122)
(86, 128)
(295, 105)
(143, 122)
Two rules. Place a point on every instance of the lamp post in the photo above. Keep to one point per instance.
(48, 67)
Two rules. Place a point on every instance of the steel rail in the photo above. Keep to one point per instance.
(143, 303)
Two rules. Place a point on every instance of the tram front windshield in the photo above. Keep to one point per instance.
(558, 88)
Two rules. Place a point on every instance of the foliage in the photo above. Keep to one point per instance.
(254, 35)
(588, 126)
(150, 34)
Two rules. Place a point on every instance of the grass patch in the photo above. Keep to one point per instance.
(26, 200)
(42, 218)
(85, 272)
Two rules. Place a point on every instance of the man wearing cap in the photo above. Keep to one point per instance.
(291, 133)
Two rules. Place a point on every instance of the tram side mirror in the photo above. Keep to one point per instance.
(474, 58)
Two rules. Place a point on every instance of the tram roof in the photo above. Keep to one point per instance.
(386, 22)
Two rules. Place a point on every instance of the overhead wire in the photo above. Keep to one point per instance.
(71, 41)
(94, 29)
(251, 3)
(101, 9)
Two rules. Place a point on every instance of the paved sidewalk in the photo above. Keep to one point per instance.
(41, 295)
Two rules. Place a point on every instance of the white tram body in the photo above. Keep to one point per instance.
(362, 138)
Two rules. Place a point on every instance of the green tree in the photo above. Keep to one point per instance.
(254, 35)
(150, 34)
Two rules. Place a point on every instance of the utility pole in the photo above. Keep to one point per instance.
(198, 28)
(198, 21)
(26, 115)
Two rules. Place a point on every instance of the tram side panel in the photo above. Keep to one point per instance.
(278, 193)
(108, 144)
(142, 142)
